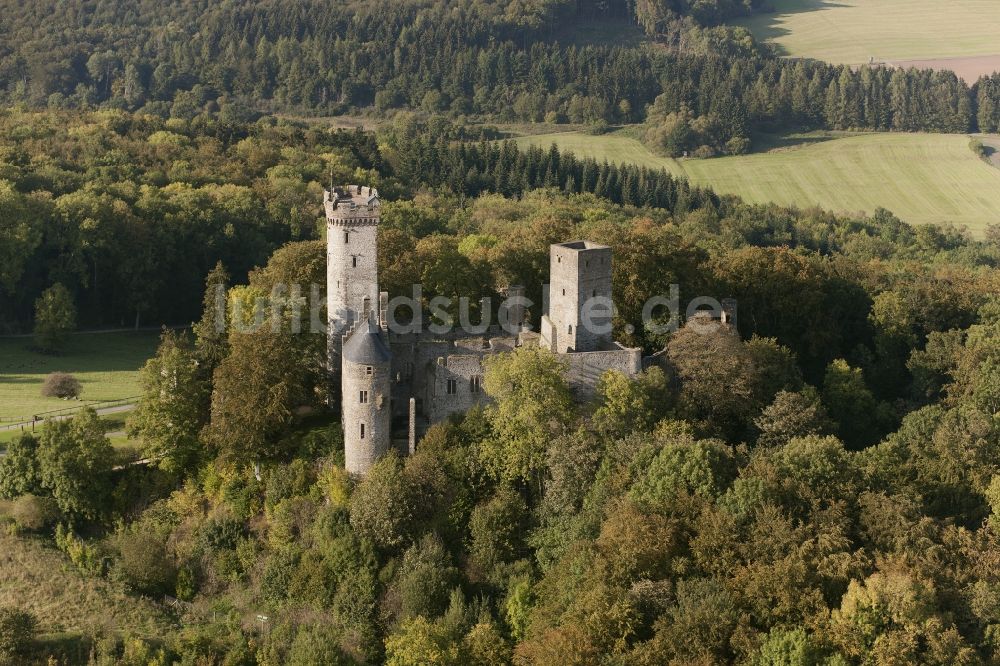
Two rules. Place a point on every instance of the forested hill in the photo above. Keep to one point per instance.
(132, 211)
(501, 61)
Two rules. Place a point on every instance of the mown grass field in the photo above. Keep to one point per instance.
(106, 364)
(853, 31)
(922, 178)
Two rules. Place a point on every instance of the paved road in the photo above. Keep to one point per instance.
(141, 329)
(26, 425)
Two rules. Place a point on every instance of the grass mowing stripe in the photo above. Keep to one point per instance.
(923, 178)
(852, 31)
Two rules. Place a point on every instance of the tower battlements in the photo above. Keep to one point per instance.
(356, 205)
(580, 306)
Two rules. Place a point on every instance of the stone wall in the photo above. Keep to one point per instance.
(579, 271)
(584, 369)
(423, 363)
(460, 371)
(351, 265)
(362, 452)
(352, 270)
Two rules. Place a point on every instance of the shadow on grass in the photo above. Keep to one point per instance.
(764, 23)
(766, 142)
(112, 352)
(10, 379)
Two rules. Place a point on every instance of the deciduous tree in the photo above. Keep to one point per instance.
(55, 316)
(531, 404)
(74, 463)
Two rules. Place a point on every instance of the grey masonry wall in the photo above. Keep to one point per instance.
(584, 369)
(361, 452)
(352, 218)
(579, 273)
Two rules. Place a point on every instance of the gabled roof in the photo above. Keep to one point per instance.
(365, 346)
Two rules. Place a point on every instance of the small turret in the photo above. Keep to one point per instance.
(366, 375)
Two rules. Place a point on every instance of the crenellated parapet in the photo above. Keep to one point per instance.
(352, 205)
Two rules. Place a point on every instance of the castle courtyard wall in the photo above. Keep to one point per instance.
(584, 369)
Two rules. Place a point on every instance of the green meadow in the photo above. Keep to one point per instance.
(852, 31)
(922, 178)
(107, 365)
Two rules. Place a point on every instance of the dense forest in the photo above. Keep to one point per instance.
(819, 486)
(133, 211)
(707, 88)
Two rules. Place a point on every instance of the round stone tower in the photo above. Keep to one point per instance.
(352, 217)
(366, 371)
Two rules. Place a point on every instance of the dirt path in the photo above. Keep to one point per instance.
(26, 425)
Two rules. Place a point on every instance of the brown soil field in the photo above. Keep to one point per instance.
(968, 68)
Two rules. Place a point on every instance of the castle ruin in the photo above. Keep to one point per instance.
(393, 386)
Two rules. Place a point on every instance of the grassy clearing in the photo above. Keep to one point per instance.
(615, 147)
(106, 363)
(40, 579)
(114, 425)
(922, 178)
(852, 31)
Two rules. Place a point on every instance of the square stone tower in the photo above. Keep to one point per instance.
(580, 305)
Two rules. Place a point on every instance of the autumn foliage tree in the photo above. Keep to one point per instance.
(531, 404)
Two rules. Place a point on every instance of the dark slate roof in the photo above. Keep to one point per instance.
(366, 346)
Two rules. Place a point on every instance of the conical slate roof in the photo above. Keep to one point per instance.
(366, 346)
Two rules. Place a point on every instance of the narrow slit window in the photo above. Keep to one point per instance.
(347, 238)
(354, 261)
(362, 431)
